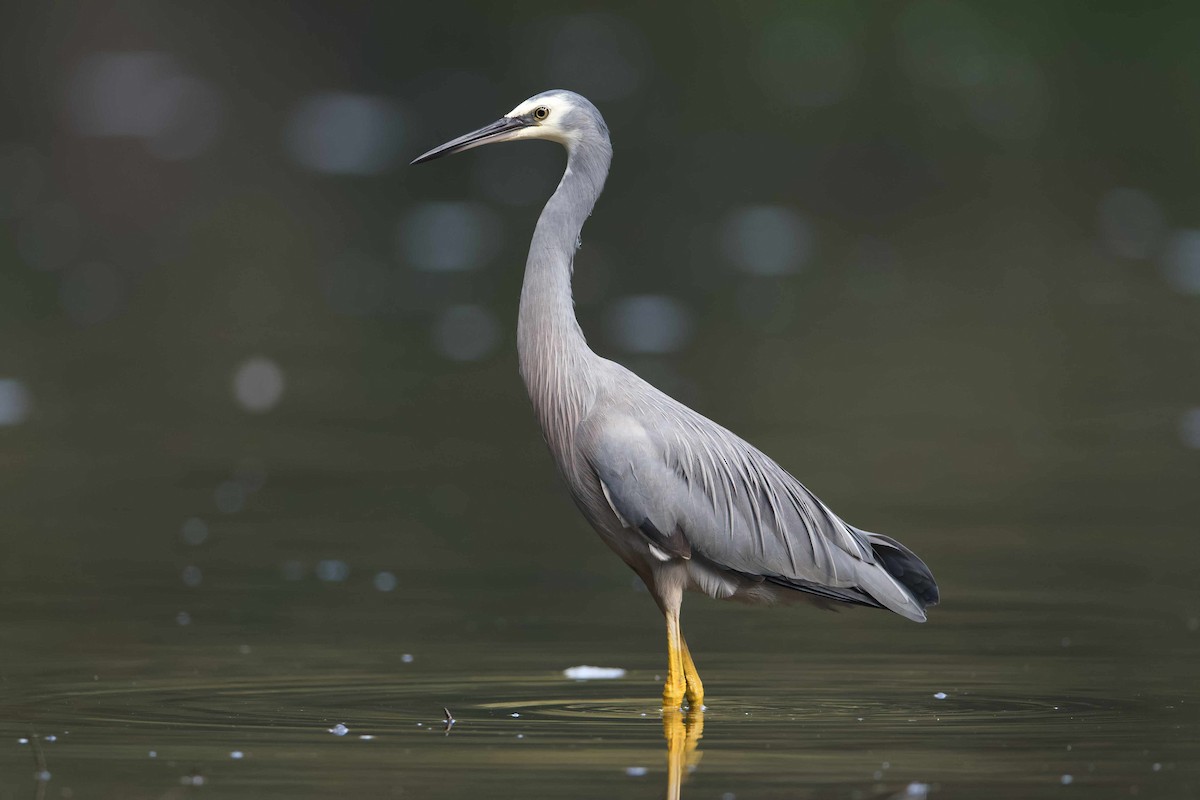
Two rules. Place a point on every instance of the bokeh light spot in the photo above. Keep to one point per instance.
(767, 240)
(341, 133)
(16, 402)
(448, 237)
(332, 570)
(649, 323)
(194, 531)
(1181, 264)
(147, 95)
(1189, 428)
(258, 384)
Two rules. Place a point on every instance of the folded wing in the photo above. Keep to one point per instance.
(692, 487)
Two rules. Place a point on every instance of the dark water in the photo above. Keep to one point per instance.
(1044, 666)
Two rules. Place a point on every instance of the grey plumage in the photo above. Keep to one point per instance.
(685, 502)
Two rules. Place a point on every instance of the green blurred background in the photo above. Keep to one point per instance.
(937, 258)
(941, 260)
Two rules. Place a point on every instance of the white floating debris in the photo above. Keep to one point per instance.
(1157, 767)
(340, 729)
(22, 740)
(192, 780)
(918, 790)
(514, 714)
(237, 755)
(587, 673)
(520, 736)
(1066, 780)
(407, 658)
(366, 737)
(50, 738)
(635, 772)
(154, 754)
(42, 776)
(939, 695)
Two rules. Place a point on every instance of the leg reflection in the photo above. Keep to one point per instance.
(682, 733)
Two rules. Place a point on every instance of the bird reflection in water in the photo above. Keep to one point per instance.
(682, 732)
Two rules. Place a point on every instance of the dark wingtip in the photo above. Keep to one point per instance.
(906, 567)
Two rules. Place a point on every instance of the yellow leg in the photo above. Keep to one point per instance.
(676, 684)
(695, 689)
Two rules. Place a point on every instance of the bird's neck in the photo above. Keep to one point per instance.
(553, 353)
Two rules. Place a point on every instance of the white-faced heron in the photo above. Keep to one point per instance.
(683, 501)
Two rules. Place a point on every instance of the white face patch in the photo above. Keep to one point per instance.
(551, 127)
(556, 103)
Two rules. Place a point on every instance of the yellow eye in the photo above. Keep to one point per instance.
(540, 113)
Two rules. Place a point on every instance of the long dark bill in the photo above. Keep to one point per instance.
(474, 139)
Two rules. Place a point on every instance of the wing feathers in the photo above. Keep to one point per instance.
(689, 485)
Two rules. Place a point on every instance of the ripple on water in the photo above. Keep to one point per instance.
(843, 732)
(391, 704)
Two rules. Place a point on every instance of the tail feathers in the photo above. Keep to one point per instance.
(897, 580)
(906, 567)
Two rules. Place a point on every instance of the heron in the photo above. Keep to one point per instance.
(687, 504)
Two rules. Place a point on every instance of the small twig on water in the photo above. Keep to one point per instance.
(41, 775)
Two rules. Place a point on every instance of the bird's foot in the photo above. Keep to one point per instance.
(673, 694)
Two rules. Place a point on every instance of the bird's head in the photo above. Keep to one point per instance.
(557, 115)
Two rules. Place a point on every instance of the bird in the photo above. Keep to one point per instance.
(683, 501)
